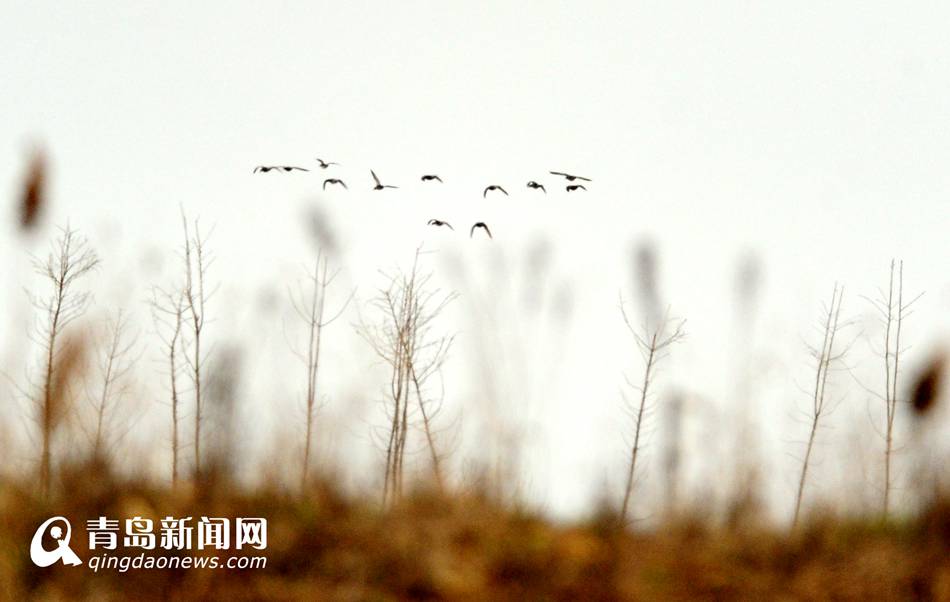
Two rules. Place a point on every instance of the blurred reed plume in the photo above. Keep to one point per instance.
(929, 480)
(320, 231)
(673, 410)
(743, 483)
(537, 264)
(222, 394)
(929, 385)
(33, 198)
(748, 286)
(68, 365)
(647, 282)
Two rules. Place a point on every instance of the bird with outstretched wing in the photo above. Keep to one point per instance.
(570, 177)
(482, 225)
(379, 185)
(536, 186)
(493, 187)
(267, 168)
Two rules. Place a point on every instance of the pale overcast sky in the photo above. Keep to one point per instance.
(814, 135)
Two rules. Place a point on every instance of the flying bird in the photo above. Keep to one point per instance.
(430, 177)
(493, 187)
(325, 164)
(536, 186)
(573, 187)
(570, 178)
(482, 225)
(380, 185)
(438, 222)
(334, 181)
(267, 168)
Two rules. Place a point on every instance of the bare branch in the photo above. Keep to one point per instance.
(825, 357)
(70, 258)
(651, 345)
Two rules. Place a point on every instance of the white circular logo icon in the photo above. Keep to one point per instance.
(44, 557)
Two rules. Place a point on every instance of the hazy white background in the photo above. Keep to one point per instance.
(814, 135)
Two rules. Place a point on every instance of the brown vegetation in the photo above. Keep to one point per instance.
(324, 546)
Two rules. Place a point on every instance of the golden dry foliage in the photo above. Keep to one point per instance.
(326, 546)
(70, 362)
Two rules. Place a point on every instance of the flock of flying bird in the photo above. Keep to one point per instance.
(378, 185)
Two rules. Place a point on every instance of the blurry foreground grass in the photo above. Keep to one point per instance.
(325, 546)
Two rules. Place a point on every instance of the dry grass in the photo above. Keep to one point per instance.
(324, 546)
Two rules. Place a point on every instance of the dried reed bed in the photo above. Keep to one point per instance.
(327, 546)
(458, 542)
